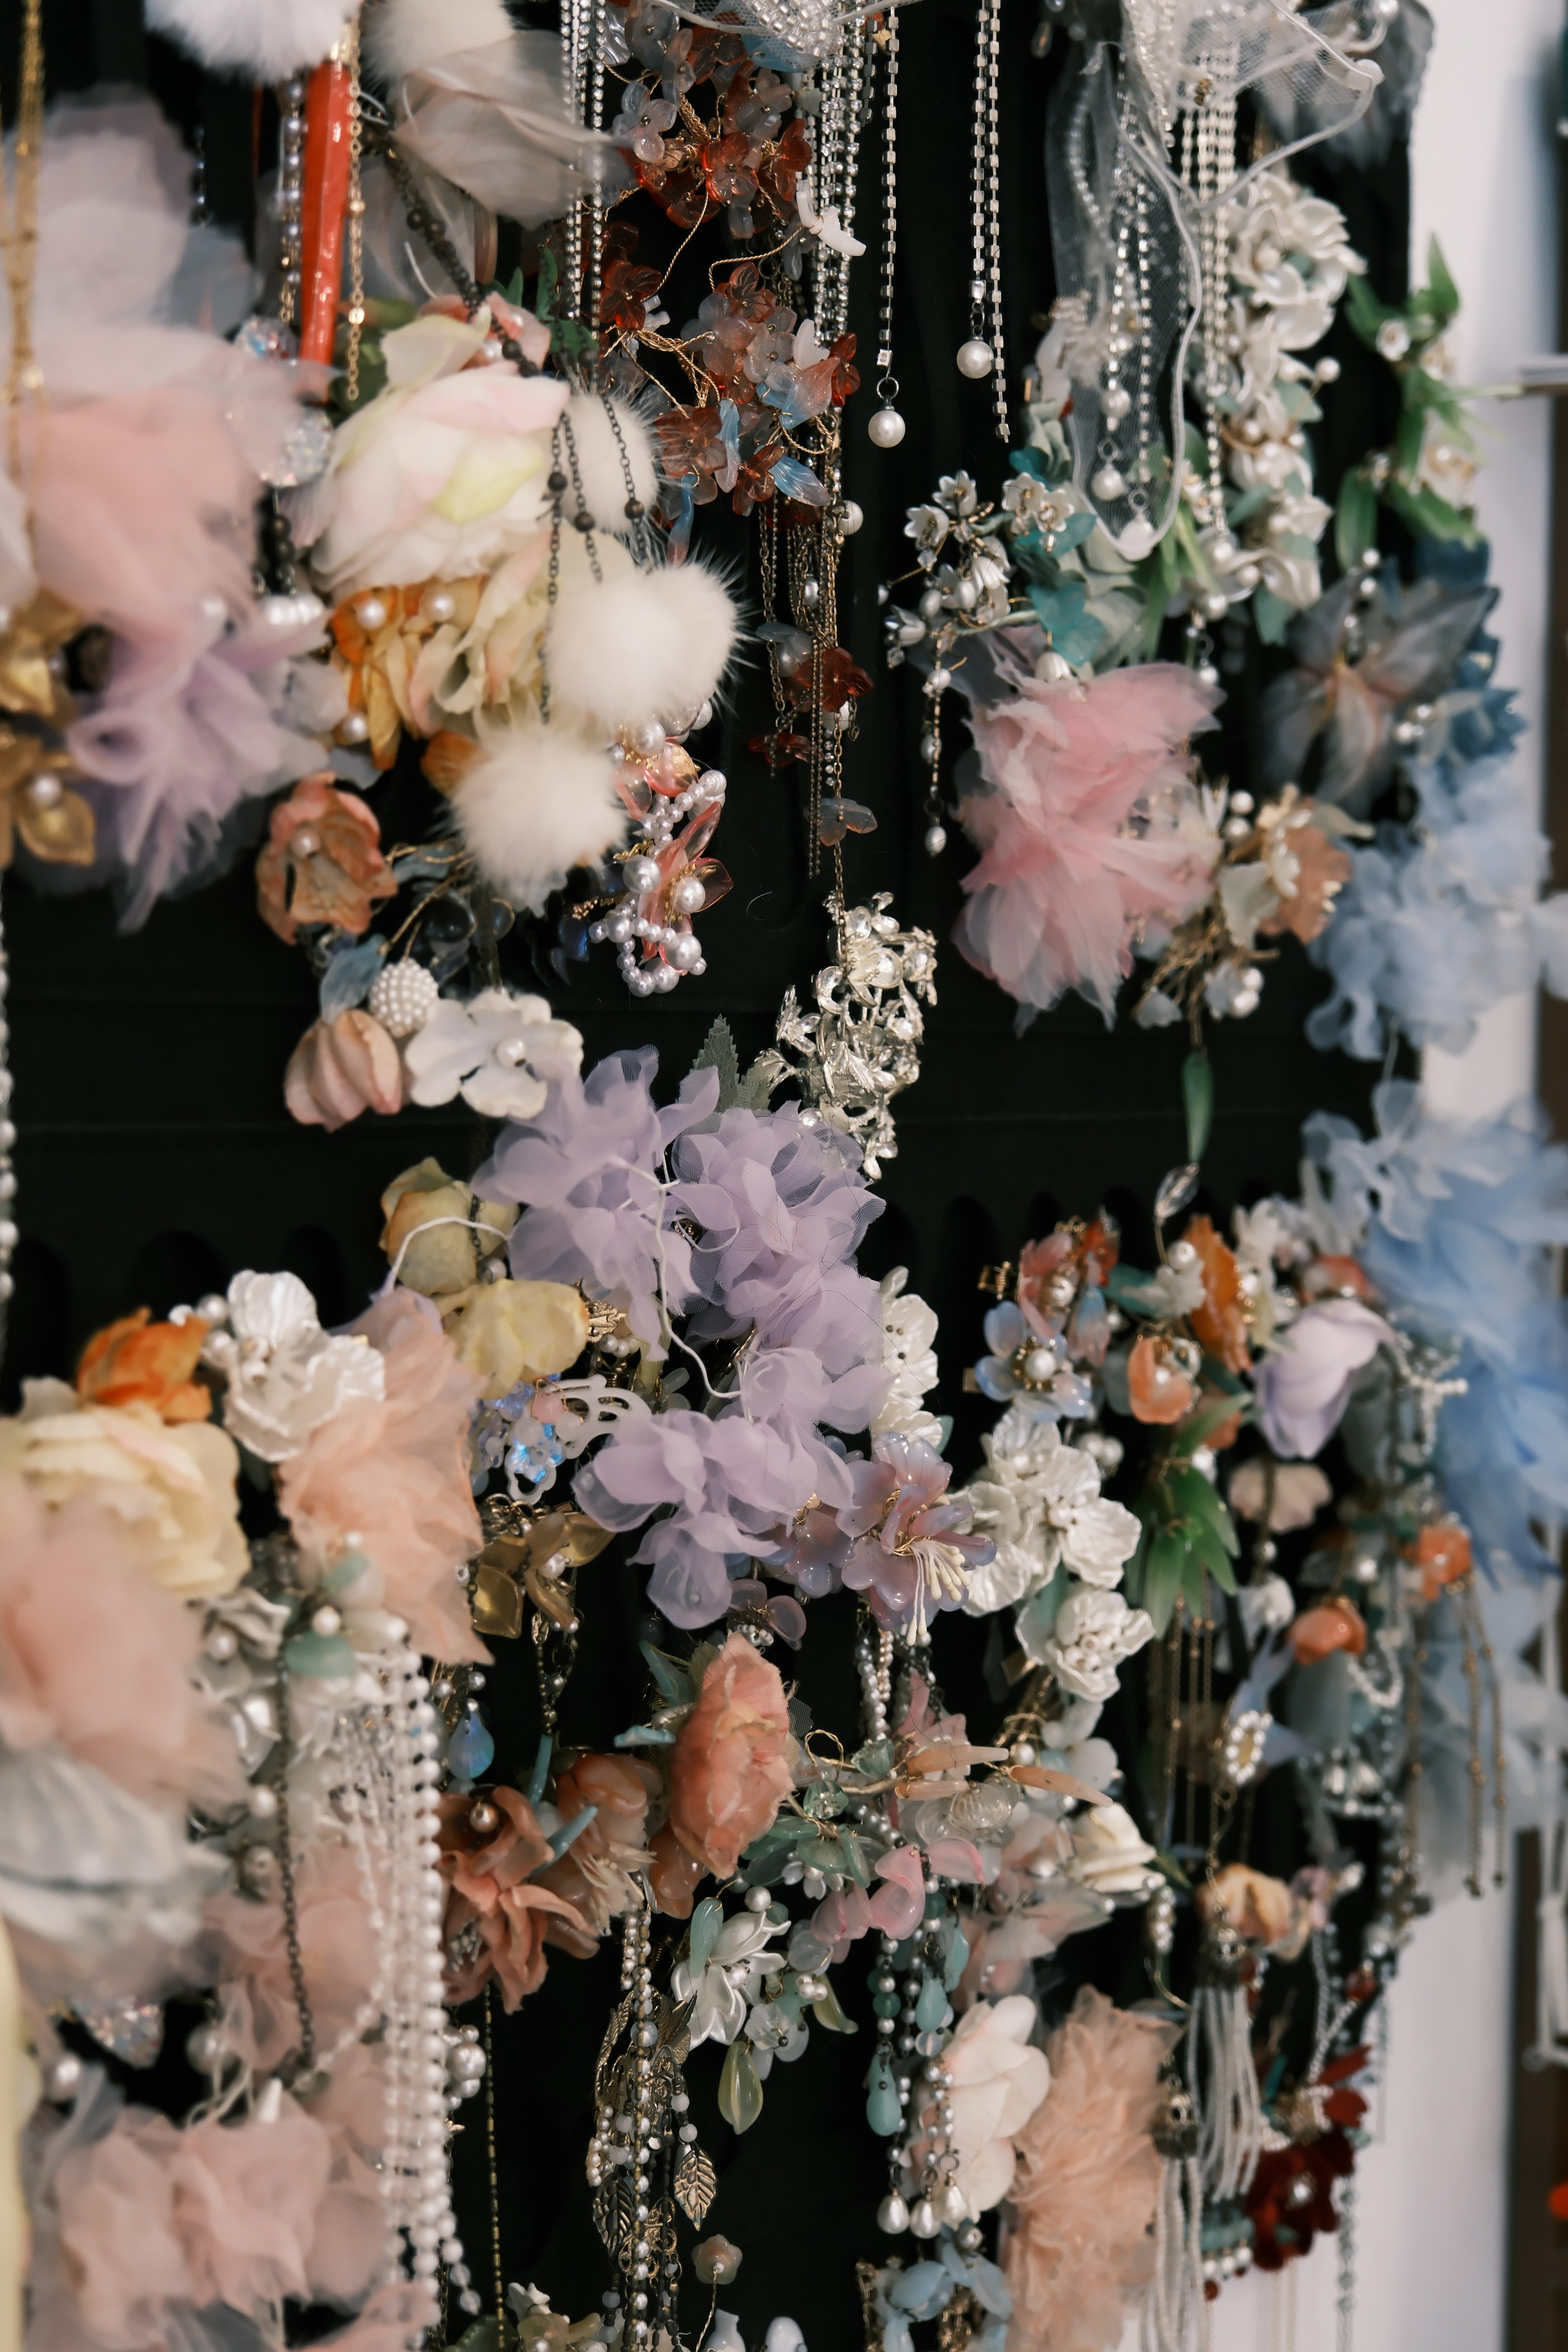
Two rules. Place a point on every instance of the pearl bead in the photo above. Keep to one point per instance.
(923, 2220)
(371, 612)
(886, 428)
(850, 517)
(1116, 402)
(975, 358)
(1109, 483)
(936, 840)
(687, 953)
(893, 2215)
(689, 895)
(641, 875)
(353, 728)
(64, 2078)
(439, 604)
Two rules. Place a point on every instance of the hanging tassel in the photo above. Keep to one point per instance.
(1220, 2047)
(1174, 2311)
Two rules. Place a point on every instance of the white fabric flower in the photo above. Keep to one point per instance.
(1107, 1853)
(1042, 1507)
(498, 1052)
(285, 1374)
(908, 1330)
(1093, 1633)
(722, 1990)
(998, 2081)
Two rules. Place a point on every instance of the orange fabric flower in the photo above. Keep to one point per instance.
(727, 1770)
(138, 1362)
(393, 671)
(594, 1874)
(1219, 1324)
(1323, 870)
(1157, 1389)
(341, 1067)
(1335, 1625)
(1443, 1555)
(497, 1913)
(1333, 1277)
(675, 1876)
(1261, 1909)
(323, 863)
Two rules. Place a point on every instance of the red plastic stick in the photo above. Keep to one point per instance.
(324, 196)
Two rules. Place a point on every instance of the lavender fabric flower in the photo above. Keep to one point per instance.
(781, 1209)
(1304, 1384)
(589, 1170)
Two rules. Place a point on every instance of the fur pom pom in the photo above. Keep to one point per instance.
(536, 803)
(265, 39)
(647, 644)
(407, 37)
(601, 470)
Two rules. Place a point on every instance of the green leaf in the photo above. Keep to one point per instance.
(706, 1922)
(1408, 439)
(1074, 531)
(1197, 1101)
(740, 2092)
(1028, 461)
(1355, 520)
(549, 276)
(1429, 516)
(1271, 616)
(1442, 292)
(1364, 311)
(1164, 1578)
(1201, 1426)
(828, 2014)
(1199, 1500)
(1058, 608)
(673, 1680)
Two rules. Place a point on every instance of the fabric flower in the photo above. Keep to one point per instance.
(1290, 1494)
(437, 1235)
(731, 1977)
(1109, 1854)
(170, 1491)
(505, 1333)
(1087, 2180)
(497, 1052)
(1304, 1383)
(1321, 870)
(137, 1362)
(322, 862)
(1261, 1909)
(998, 2081)
(1220, 1323)
(909, 1357)
(1040, 1502)
(441, 475)
(341, 1067)
(1093, 1633)
(393, 1471)
(728, 1775)
(587, 1168)
(284, 1374)
(597, 1873)
(913, 1548)
(498, 1915)
(1157, 1389)
(246, 1946)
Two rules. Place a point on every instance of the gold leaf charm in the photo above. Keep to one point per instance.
(612, 2206)
(696, 2184)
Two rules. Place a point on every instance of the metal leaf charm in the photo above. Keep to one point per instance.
(613, 2207)
(696, 2184)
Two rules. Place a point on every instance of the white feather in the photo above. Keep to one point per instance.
(646, 644)
(265, 39)
(601, 474)
(407, 36)
(542, 800)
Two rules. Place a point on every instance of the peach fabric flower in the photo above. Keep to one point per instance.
(727, 1770)
(1335, 1625)
(1323, 871)
(676, 1874)
(245, 1941)
(1330, 1276)
(323, 863)
(1157, 1389)
(1087, 2182)
(1443, 1555)
(595, 1873)
(497, 1912)
(341, 1067)
(1261, 1909)
(391, 671)
(1220, 1323)
(393, 1471)
(94, 1656)
(137, 1362)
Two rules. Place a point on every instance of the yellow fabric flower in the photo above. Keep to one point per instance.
(446, 1259)
(510, 1331)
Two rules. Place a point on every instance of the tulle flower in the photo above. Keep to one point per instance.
(393, 1472)
(1303, 1385)
(248, 1947)
(137, 1362)
(588, 1171)
(1087, 2182)
(498, 1915)
(728, 1769)
(1083, 829)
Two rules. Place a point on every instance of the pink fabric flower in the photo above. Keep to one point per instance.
(1074, 848)
(1304, 1384)
(726, 1769)
(95, 1655)
(393, 1472)
(245, 1940)
(498, 1915)
(341, 1067)
(912, 1546)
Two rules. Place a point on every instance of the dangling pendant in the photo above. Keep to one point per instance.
(975, 358)
(1137, 540)
(886, 428)
(1108, 483)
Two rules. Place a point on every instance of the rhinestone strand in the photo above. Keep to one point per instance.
(290, 186)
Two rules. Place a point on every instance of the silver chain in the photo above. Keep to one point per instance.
(985, 203)
(888, 383)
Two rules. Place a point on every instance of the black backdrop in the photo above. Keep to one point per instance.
(155, 1156)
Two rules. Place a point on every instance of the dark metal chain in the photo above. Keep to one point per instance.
(305, 2065)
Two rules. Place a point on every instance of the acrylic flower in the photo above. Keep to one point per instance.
(1335, 1625)
(170, 1491)
(284, 1375)
(440, 476)
(782, 1209)
(1158, 1389)
(914, 1546)
(727, 1773)
(588, 1169)
(998, 2080)
(722, 1989)
(909, 1357)
(341, 1067)
(1220, 1323)
(137, 1362)
(1093, 1633)
(498, 1051)
(437, 1234)
(1109, 1854)
(497, 1913)
(1039, 1499)
(1305, 1382)
(505, 1333)
(322, 862)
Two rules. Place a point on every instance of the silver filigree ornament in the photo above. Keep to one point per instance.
(861, 1046)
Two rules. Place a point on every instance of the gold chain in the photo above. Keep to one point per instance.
(356, 220)
(19, 233)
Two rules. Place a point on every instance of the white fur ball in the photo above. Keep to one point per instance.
(267, 40)
(601, 471)
(646, 644)
(403, 37)
(542, 800)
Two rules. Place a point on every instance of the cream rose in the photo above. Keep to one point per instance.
(998, 2081)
